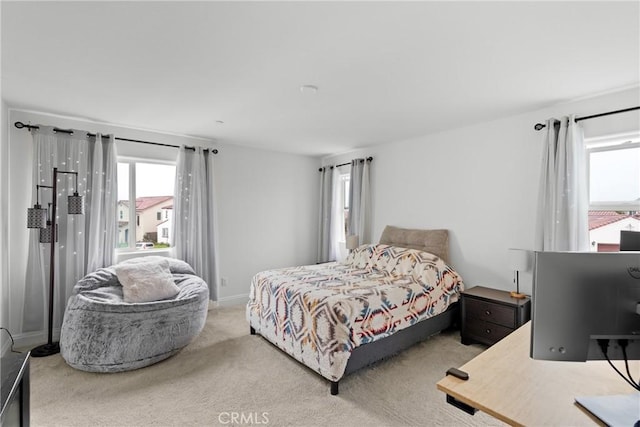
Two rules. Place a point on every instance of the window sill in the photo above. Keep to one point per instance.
(122, 255)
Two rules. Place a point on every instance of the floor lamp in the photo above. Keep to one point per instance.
(37, 217)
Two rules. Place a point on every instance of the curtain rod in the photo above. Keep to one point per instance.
(368, 159)
(540, 126)
(21, 125)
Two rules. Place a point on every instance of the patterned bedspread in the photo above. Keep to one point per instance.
(319, 313)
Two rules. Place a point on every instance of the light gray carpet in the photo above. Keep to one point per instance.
(227, 371)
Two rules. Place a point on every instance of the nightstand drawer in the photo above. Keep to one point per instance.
(488, 315)
(485, 332)
(490, 312)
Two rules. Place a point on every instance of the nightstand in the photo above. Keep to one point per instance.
(488, 315)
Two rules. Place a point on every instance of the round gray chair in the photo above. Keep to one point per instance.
(103, 333)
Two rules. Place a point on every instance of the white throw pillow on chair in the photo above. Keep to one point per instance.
(146, 281)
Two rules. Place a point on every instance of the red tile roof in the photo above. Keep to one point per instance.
(143, 203)
(599, 219)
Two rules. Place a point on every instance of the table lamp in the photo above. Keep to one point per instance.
(352, 242)
(518, 261)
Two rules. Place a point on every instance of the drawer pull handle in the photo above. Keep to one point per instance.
(487, 312)
(488, 331)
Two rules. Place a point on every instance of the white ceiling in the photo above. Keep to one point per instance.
(386, 71)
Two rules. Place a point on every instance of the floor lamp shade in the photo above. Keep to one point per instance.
(75, 205)
(36, 217)
(46, 234)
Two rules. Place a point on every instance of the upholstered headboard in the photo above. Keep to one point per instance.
(433, 241)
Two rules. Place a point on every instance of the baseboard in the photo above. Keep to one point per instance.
(6, 346)
(232, 300)
(29, 340)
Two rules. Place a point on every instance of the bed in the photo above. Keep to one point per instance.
(336, 318)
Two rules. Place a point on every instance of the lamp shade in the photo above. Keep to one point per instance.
(75, 205)
(46, 234)
(352, 241)
(519, 259)
(36, 217)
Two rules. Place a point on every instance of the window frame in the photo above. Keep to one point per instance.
(132, 161)
(345, 186)
(609, 144)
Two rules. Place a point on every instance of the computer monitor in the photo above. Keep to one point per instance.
(629, 240)
(580, 297)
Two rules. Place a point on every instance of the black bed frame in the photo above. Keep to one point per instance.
(370, 353)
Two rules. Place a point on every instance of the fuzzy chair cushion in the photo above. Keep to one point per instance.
(175, 265)
(146, 281)
(103, 333)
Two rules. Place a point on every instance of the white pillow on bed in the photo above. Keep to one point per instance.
(146, 281)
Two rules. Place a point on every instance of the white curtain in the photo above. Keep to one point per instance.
(102, 203)
(563, 204)
(337, 217)
(85, 242)
(325, 238)
(360, 201)
(195, 229)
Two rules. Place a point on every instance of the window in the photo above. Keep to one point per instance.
(143, 189)
(614, 176)
(165, 232)
(613, 167)
(345, 180)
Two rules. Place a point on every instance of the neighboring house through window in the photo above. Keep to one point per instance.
(165, 225)
(145, 189)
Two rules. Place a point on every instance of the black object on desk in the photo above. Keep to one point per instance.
(15, 390)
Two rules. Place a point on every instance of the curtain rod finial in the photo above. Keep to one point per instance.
(19, 125)
(539, 126)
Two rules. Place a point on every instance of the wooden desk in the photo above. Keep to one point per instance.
(507, 384)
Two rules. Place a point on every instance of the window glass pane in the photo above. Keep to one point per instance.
(154, 195)
(123, 205)
(345, 180)
(614, 175)
(614, 195)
